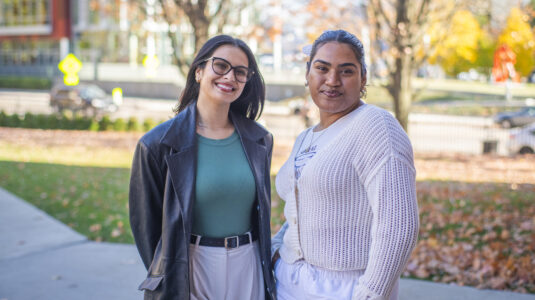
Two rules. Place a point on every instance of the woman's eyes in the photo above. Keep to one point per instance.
(221, 65)
(240, 72)
(345, 71)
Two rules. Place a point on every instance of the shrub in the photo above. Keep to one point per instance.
(148, 124)
(53, 122)
(94, 126)
(134, 125)
(25, 82)
(28, 121)
(13, 121)
(69, 121)
(119, 125)
(66, 120)
(81, 123)
(42, 121)
(3, 118)
(105, 124)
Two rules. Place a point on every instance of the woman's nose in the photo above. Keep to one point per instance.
(230, 75)
(333, 79)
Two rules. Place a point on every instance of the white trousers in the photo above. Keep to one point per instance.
(301, 280)
(220, 274)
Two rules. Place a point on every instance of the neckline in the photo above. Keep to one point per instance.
(327, 145)
(218, 142)
(361, 105)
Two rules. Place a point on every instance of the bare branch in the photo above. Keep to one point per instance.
(223, 4)
(378, 4)
(423, 12)
(179, 61)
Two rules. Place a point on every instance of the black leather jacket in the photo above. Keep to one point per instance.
(162, 191)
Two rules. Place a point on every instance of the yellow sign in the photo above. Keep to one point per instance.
(117, 95)
(151, 62)
(70, 66)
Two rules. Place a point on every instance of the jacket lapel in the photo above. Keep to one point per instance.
(251, 136)
(182, 162)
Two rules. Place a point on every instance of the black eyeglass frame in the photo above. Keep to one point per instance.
(250, 72)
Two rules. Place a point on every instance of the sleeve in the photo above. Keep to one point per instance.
(277, 239)
(394, 232)
(145, 202)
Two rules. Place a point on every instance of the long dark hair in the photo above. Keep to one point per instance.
(251, 101)
(340, 36)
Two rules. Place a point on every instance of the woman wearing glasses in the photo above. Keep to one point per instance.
(200, 186)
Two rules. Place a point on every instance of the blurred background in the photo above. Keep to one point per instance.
(81, 81)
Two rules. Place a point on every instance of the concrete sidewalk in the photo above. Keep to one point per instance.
(41, 258)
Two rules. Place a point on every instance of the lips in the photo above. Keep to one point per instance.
(331, 93)
(224, 87)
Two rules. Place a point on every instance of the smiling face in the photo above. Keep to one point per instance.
(221, 89)
(335, 81)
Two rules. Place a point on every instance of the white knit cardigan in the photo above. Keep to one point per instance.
(356, 205)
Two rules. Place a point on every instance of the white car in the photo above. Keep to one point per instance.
(522, 140)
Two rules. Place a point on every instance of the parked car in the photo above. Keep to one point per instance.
(87, 98)
(516, 118)
(531, 77)
(522, 140)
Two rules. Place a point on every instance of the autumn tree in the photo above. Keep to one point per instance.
(459, 49)
(403, 25)
(518, 35)
(485, 55)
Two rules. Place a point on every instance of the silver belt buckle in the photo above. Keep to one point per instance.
(231, 237)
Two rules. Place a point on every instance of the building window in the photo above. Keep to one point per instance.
(24, 12)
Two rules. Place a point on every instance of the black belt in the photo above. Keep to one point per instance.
(227, 242)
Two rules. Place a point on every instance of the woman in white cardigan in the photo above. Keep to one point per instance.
(349, 187)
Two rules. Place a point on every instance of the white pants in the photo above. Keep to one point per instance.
(301, 280)
(220, 274)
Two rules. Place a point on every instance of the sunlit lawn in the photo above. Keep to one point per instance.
(432, 90)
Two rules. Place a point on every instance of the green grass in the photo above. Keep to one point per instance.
(91, 200)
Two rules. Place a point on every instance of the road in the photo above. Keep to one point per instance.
(428, 133)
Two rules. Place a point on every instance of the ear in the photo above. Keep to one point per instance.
(198, 74)
(364, 80)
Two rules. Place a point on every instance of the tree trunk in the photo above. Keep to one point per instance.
(200, 30)
(401, 90)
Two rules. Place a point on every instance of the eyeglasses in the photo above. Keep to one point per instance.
(222, 67)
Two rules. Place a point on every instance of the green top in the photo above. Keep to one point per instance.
(225, 189)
